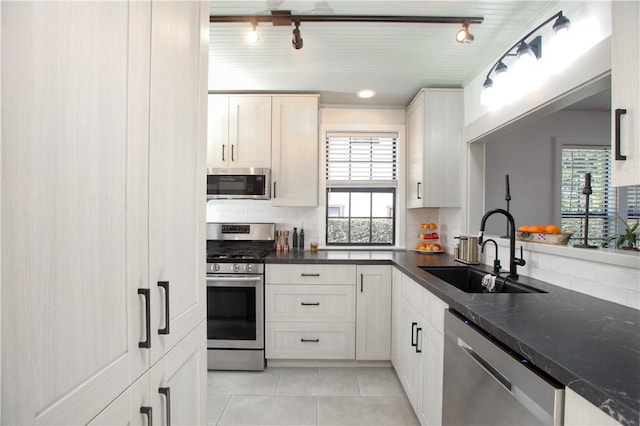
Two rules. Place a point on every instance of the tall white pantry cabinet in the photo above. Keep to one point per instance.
(103, 155)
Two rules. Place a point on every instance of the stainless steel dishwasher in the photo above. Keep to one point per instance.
(487, 384)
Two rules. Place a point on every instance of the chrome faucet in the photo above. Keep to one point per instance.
(496, 261)
(513, 261)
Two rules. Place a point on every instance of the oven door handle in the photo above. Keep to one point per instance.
(235, 279)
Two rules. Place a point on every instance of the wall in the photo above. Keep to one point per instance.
(529, 157)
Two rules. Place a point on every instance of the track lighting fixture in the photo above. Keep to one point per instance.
(527, 51)
(463, 35)
(297, 40)
(285, 18)
(252, 35)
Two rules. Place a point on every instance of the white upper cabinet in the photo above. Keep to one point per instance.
(239, 131)
(434, 133)
(625, 93)
(295, 151)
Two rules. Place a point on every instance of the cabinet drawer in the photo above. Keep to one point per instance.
(310, 274)
(287, 340)
(310, 303)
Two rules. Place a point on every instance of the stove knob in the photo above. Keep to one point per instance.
(248, 267)
(216, 267)
(235, 267)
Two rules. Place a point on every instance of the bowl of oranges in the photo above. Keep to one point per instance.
(545, 234)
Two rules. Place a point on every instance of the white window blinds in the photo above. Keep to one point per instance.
(366, 157)
(576, 161)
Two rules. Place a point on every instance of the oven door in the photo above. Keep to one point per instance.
(235, 311)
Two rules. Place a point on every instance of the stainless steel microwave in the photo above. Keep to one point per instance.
(239, 184)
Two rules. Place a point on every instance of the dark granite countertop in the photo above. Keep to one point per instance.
(589, 345)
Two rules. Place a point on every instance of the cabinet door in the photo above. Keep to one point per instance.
(218, 149)
(373, 312)
(396, 320)
(176, 174)
(250, 131)
(430, 406)
(443, 145)
(434, 127)
(132, 408)
(580, 412)
(179, 382)
(67, 306)
(415, 151)
(295, 151)
(625, 91)
(411, 379)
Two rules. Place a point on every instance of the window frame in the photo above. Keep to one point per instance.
(362, 189)
(334, 121)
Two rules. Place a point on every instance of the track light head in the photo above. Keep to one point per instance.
(463, 35)
(562, 24)
(252, 35)
(297, 39)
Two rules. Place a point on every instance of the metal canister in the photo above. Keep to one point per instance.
(472, 249)
(463, 247)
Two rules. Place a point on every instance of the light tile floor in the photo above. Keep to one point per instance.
(308, 396)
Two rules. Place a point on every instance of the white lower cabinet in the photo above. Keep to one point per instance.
(417, 348)
(310, 311)
(315, 311)
(373, 312)
(309, 340)
(580, 412)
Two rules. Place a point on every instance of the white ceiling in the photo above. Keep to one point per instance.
(337, 59)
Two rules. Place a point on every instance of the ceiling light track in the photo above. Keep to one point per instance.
(288, 19)
(281, 18)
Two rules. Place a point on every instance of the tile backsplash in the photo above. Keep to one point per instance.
(285, 218)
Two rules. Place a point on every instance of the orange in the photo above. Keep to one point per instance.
(536, 228)
(523, 228)
(552, 229)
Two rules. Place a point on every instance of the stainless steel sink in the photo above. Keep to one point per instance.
(469, 279)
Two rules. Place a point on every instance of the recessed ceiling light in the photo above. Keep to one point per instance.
(366, 93)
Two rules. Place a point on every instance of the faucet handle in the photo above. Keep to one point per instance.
(520, 261)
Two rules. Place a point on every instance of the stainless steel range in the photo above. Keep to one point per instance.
(235, 294)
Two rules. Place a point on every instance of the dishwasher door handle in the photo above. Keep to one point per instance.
(485, 365)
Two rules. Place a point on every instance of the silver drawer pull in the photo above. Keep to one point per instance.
(310, 275)
(310, 340)
(310, 304)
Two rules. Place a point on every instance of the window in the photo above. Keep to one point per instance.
(361, 173)
(605, 202)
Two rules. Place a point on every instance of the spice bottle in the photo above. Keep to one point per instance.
(294, 242)
(301, 240)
